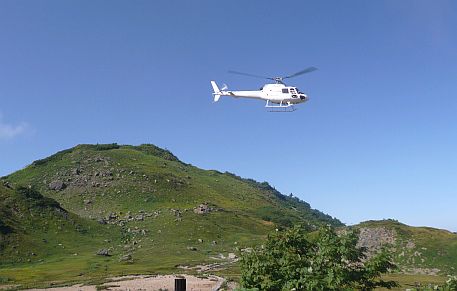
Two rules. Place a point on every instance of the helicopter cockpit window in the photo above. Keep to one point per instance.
(285, 90)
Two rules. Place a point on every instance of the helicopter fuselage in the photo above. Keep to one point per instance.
(275, 93)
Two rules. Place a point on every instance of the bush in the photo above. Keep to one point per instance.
(106, 147)
(291, 260)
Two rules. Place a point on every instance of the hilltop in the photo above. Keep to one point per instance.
(111, 209)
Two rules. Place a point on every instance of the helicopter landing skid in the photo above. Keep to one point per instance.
(280, 108)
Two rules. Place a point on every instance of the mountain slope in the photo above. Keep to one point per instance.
(34, 227)
(417, 250)
(146, 210)
(122, 178)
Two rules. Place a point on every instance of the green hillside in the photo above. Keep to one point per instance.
(139, 207)
(417, 250)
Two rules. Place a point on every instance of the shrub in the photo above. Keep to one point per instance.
(291, 260)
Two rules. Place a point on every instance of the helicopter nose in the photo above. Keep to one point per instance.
(304, 97)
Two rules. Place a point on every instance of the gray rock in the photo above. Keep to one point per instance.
(103, 252)
(102, 221)
(139, 217)
(112, 215)
(203, 209)
(7, 185)
(231, 256)
(57, 185)
(373, 239)
(126, 258)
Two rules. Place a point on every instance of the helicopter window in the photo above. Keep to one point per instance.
(285, 90)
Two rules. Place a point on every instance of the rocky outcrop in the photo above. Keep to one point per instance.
(373, 239)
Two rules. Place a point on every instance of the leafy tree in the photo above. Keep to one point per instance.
(292, 260)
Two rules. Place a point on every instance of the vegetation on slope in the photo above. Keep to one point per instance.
(140, 207)
(417, 250)
(291, 260)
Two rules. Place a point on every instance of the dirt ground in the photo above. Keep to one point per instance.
(149, 283)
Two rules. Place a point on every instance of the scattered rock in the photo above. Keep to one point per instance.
(102, 221)
(203, 209)
(103, 252)
(7, 184)
(374, 238)
(192, 248)
(126, 258)
(112, 216)
(57, 185)
(139, 217)
(410, 245)
(231, 256)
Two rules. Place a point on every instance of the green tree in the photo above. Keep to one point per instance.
(292, 260)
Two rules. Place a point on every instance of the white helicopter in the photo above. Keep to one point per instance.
(279, 96)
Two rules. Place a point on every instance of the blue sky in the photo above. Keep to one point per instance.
(378, 139)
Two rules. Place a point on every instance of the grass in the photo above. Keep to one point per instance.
(428, 247)
(131, 180)
(50, 238)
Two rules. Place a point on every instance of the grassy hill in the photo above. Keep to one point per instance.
(139, 207)
(94, 211)
(417, 250)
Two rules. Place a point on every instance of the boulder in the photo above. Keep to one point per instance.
(203, 209)
(103, 252)
(57, 185)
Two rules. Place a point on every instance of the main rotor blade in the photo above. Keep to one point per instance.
(250, 75)
(305, 71)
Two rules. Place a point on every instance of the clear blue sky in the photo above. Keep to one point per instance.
(378, 139)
